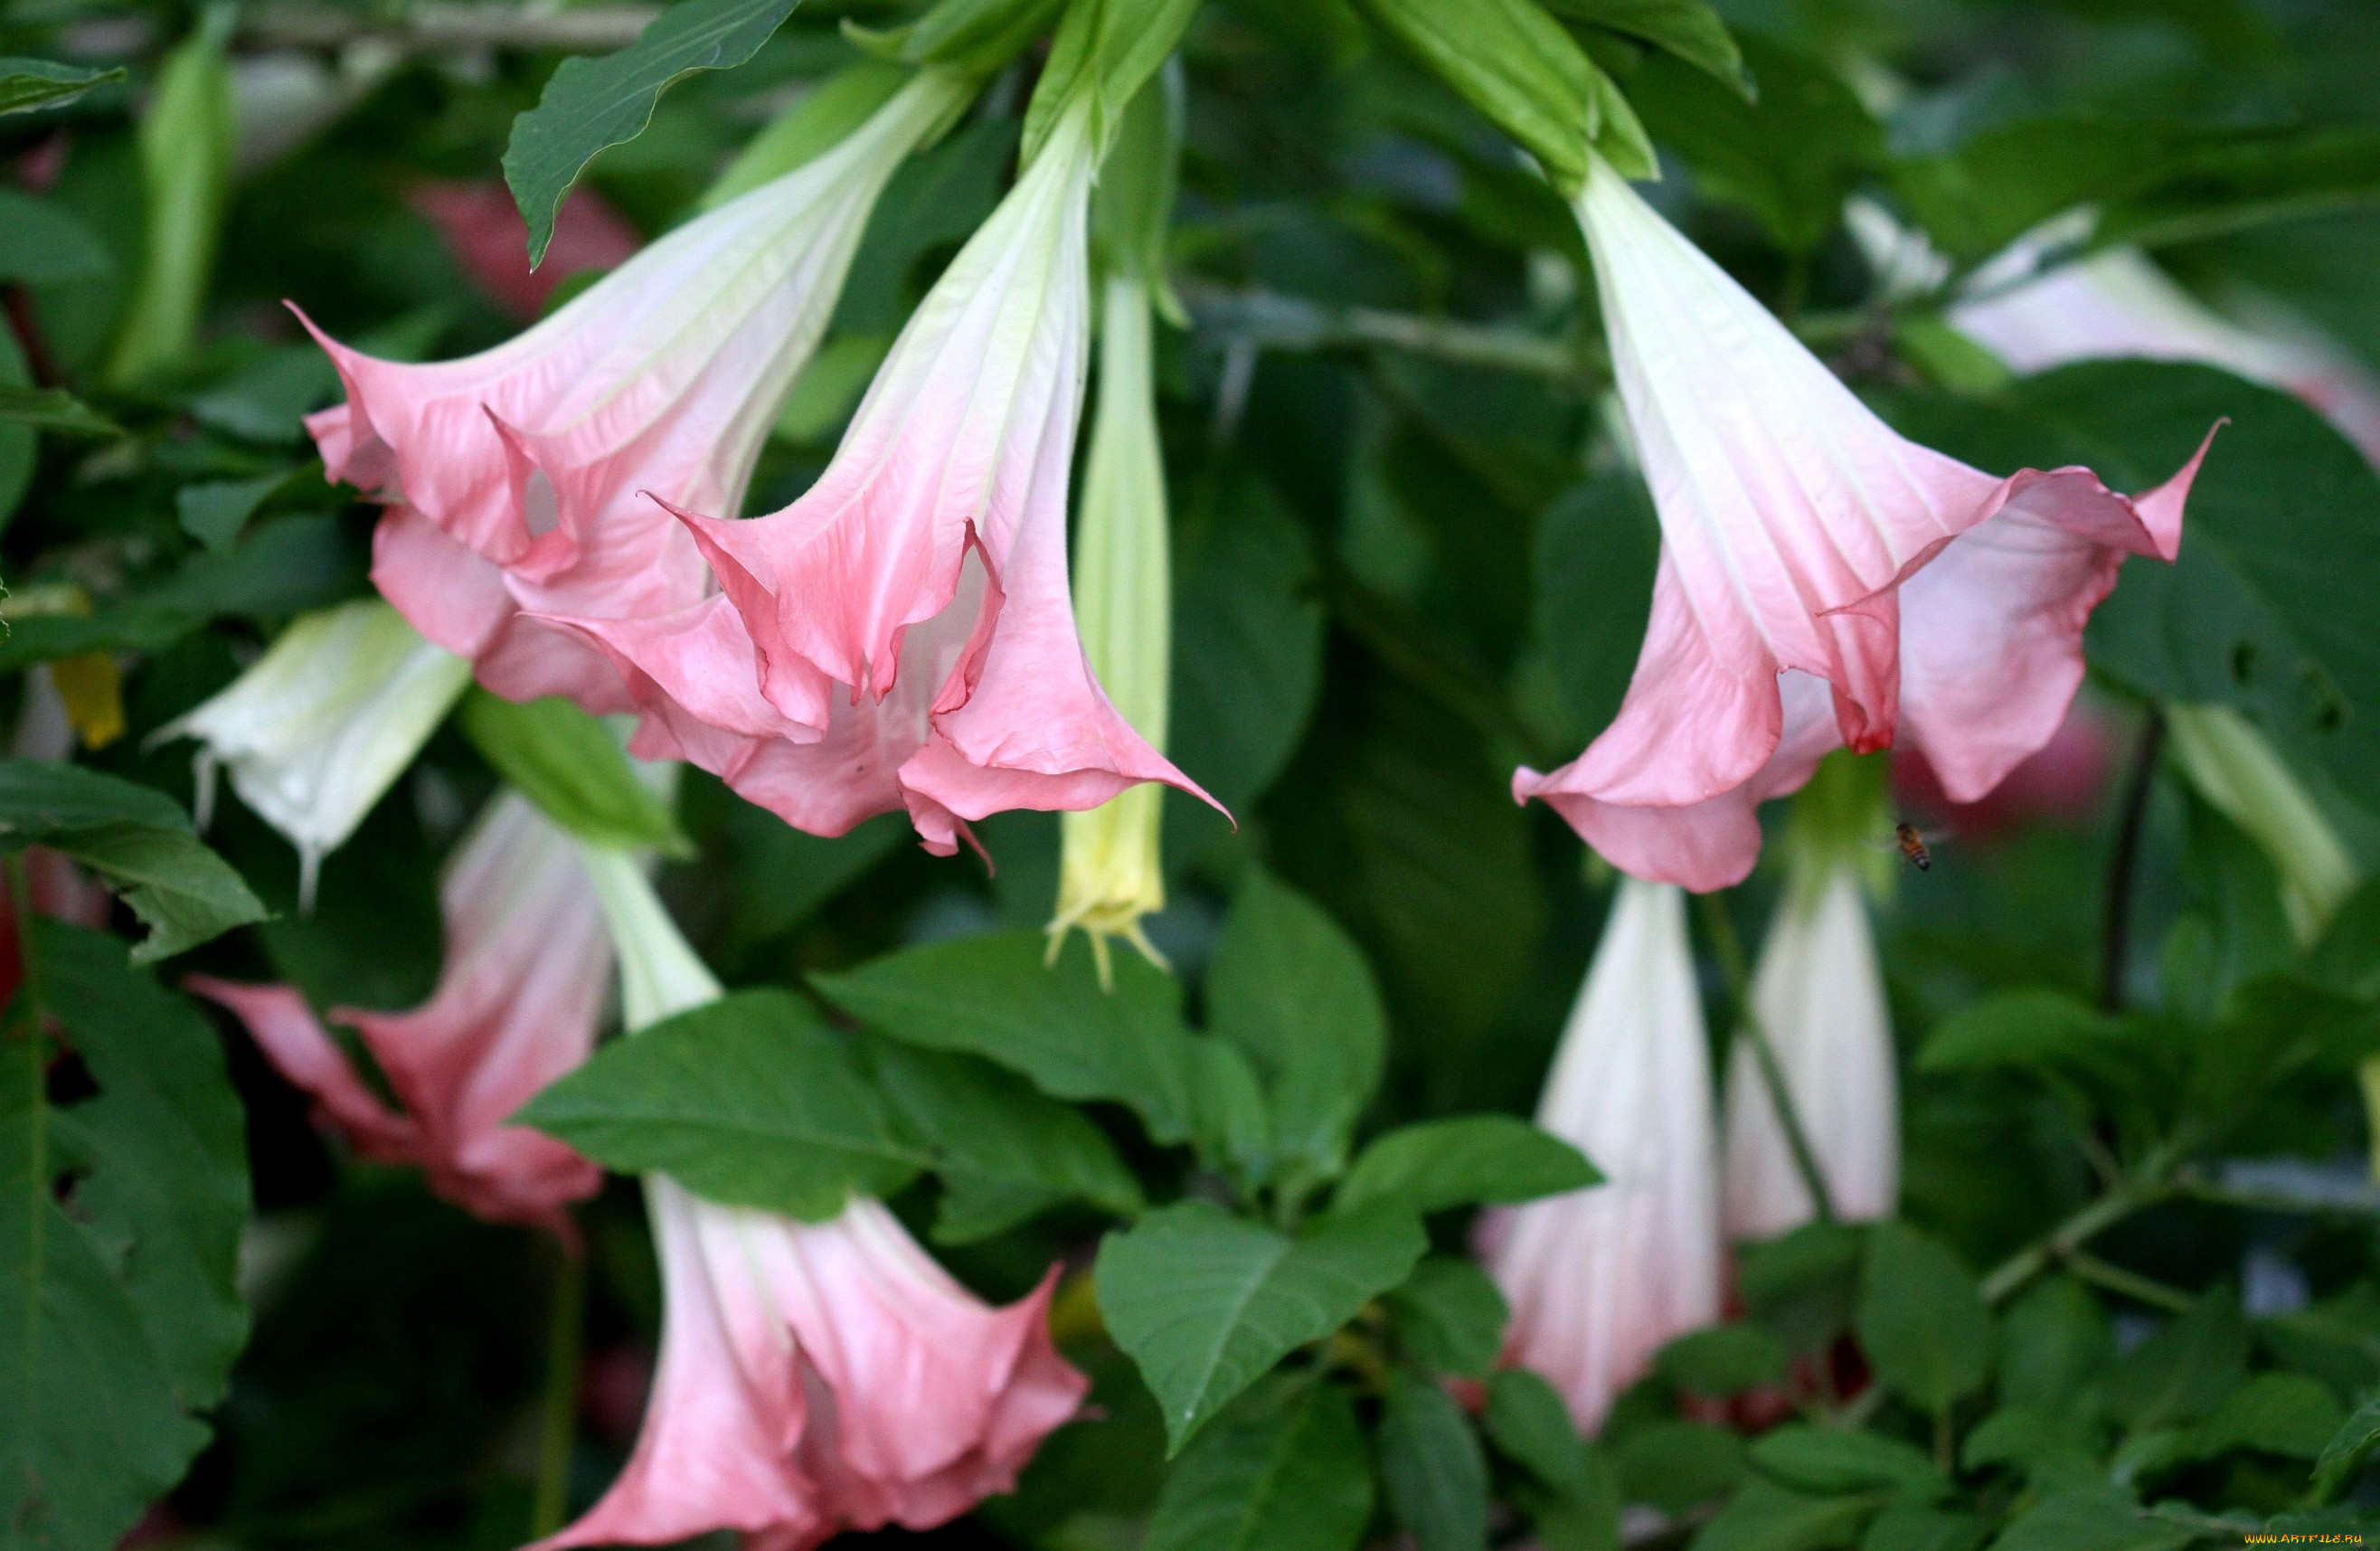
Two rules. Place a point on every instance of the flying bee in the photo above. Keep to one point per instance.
(1910, 841)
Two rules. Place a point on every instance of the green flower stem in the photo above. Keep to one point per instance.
(1721, 928)
(2063, 1242)
(2129, 1284)
(559, 1408)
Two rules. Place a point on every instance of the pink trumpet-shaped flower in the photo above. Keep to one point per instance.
(515, 478)
(2119, 303)
(1803, 541)
(527, 967)
(906, 623)
(1601, 1278)
(813, 1378)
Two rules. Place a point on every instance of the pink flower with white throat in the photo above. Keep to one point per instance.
(526, 970)
(814, 1377)
(1601, 1278)
(1822, 582)
(906, 623)
(516, 478)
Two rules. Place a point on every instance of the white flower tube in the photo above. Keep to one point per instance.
(324, 721)
(1600, 1279)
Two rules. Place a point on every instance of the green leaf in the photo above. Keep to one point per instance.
(1105, 51)
(1596, 547)
(995, 997)
(1834, 1460)
(1766, 1517)
(1206, 1303)
(749, 1100)
(1913, 1527)
(976, 35)
(1724, 1360)
(2053, 1340)
(1786, 158)
(187, 131)
(2184, 1371)
(1688, 28)
(42, 242)
(1450, 1318)
(2091, 1518)
(1529, 1425)
(1921, 1322)
(2059, 1447)
(1488, 1159)
(1004, 1151)
(1803, 1285)
(1230, 1125)
(1678, 1465)
(138, 840)
(53, 409)
(1288, 987)
(590, 104)
(2343, 1458)
(1431, 1467)
(27, 84)
(1515, 65)
(2288, 1414)
(214, 511)
(2095, 1061)
(120, 1225)
(573, 769)
(1283, 1470)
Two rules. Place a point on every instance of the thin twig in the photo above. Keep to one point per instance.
(2068, 1237)
(1286, 322)
(1721, 928)
(433, 24)
(2131, 1284)
(2115, 926)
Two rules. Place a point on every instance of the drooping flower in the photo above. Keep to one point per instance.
(325, 721)
(1109, 871)
(1600, 1279)
(2117, 303)
(813, 1378)
(515, 478)
(908, 617)
(1822, 581)
(528, 965)
(1818, 993)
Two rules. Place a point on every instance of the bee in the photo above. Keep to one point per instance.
(1910, 842)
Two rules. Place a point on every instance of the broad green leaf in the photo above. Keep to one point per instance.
(2091, 1518)
(2343, 1458)
(2346, 958)
(1230, 1125)
(2055, 1448)
(27, 84)
(120, 1224)
(42, 242)
(2288, 1414)
(1921, 1322)
(749, 1100)
(1206, 1303)
(1768, 1518)
(1450, 1318)
(1516, 65)
(1679, 1465)
(1803, 1285)
(53, 409)
(2096, 1062)
(1432, 1468)
(1788, 157)
(2224, 187)
(2053, 1340)
(1288, 987)
(1283, 1470)
(1724, 1360)
(189, 128)
(1914, 1526)
(1834, 1460)
(995, 997)
(1466, 1159)
(1003, 1150)
(138, 840)
(1529, 1425)
(2184, 1371)
(781, 875)
(1596, 547)
(213, 511)
(590, 104)
(573, 769)
(1689, 28)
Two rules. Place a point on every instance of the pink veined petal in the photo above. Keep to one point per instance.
(285, 1029)
(728, 1409)
(452, 596)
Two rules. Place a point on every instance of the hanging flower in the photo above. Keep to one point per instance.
(909, 618)
(1819, 995)
(2117, 303)
(1803, 539)
(1600, 1279)
(813, 1378)
(515, 478)
(527, 964)
(316, 731)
